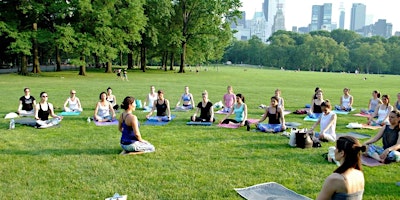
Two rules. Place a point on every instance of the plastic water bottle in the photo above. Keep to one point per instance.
(88, 120)
(12, 124)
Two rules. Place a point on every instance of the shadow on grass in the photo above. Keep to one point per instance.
(61, 152)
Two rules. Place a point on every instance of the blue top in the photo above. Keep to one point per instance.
(343, 196)
(186, 97)
(238, 112)
(398, 105)
(128, 135)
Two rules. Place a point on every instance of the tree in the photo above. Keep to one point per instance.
(368, 57)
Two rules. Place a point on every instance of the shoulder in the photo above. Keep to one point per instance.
(50, 105)
(335, 180)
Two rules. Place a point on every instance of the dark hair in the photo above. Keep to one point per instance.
(109, 88)
(316, 89)
(397, 112)
(26, 89)
(160, 92)
(42, 93)
(276, 107)
(327, 104)
(378, 94)
(101, 94)
(127, 101)
(240, 96)
(352, 151)
(387, 97)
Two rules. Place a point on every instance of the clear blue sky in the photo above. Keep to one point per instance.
(298, 12)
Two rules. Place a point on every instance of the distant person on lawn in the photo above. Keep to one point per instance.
(27, 104)
(206, 110)
(131, 139)
(104, 111)
(240, 111)
(72, 104)
(390, 140)
(327, 123)
(276, 119)
(347, 181)
(43, 110)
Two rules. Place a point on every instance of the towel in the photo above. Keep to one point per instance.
(114, 122)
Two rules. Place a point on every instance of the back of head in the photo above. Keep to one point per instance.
(352, 149)
(327, 104)
(127, 101)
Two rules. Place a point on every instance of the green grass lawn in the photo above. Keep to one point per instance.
(80, 160)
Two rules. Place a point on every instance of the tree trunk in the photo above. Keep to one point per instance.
(96, 61)
(183, 56)
(36, 65)
(120, 58)
(82, 68)
(164, 60)
(171, 66)
(24, 65)
(143, 58)
(109, 67)
(130, 56)
(58, 59)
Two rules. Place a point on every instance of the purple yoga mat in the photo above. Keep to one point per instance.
(114, 122)
(370, 162)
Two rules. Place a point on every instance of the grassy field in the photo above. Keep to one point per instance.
(80, 160)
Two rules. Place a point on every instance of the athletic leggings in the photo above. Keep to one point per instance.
(226, 121)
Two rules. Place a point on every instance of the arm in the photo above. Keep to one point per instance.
(20, 106)
(212, 113)
(244, 114)
(341, 103)
(179, 101)
(112, 110)
(390, 108)
(37, 111)
(145, 101)
(376, 137)
(120, 123)
(191, 100)
(65, 104)
(115, 100)
(263, 117)
(52, 112)
(79, 103)
(136, 128)
(369, 104)
(316, 124)
(195, 113)
(329, 188)
(168, 109)
(331, 121)
(374, 114)
(95, 111)
(351, 101)
(312, 106)
(282, 119)
(283, 102)
(152, 109)
(392, 148)
(226, 116)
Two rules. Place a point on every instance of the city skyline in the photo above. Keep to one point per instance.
(302, 11)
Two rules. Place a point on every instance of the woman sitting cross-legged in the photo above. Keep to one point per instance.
(162, 106)
(206, 110)
(315, 110)
(131, 139)
(347, 181)
(327, 123)
(27, 104)
(382, 111)
(276, 119)
(73, 104)
(103, 109)
(240, 110)
(187, 101)
(42, 112)
(390, 140)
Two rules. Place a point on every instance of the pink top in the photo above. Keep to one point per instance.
(229, 99)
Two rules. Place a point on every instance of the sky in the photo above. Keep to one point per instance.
(298, 12)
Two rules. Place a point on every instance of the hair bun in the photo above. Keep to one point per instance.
(361, 148)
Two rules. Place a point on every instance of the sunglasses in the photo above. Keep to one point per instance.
(44, 96)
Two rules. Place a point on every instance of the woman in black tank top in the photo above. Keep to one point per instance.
(43, 110)
(162, 106)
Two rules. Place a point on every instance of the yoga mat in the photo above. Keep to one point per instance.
(228, 125)
(354, 134)
(370, 162)
(362, 115)
(341, 112)
(11, 115)
(292, 124)
(221, 112)
(270, 190)
(199, 123)
(69, 113)
(114, 122)
(153, 121)
(308, 118)
(26, 121)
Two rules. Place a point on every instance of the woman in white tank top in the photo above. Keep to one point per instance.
(327, 123)
(382, 111)
(346, 101)
(72, 104)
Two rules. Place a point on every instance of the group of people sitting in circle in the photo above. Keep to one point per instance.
(347, 181)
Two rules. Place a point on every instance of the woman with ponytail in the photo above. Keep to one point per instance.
(131, 140)
(276, 119)
(347, 181)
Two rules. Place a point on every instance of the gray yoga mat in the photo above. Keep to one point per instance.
(269, 191)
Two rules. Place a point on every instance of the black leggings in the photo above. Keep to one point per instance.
(198, 119)
(226, 121)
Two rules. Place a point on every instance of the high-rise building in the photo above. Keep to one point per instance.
(258, 27)
(321, 17)
(358, 13)
(279, 20)
(381, 28)
(342, 16)
(269, 10)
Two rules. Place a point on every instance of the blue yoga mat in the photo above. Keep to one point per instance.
(199, 123)
(70, 113)
(307, 118)
(153, 121)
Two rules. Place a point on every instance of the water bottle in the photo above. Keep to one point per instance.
(88, 120)
(12, 124)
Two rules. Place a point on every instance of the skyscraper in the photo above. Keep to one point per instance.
(342, 16)
(279, 20)
(321, 17)
(269, 10)
(358, 14)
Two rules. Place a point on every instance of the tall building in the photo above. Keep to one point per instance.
(258, 27)
(381, 28)
(342, 16)
(239, 21)
(279, 20)
(269, 10)
(358, 13)
(321, 17)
